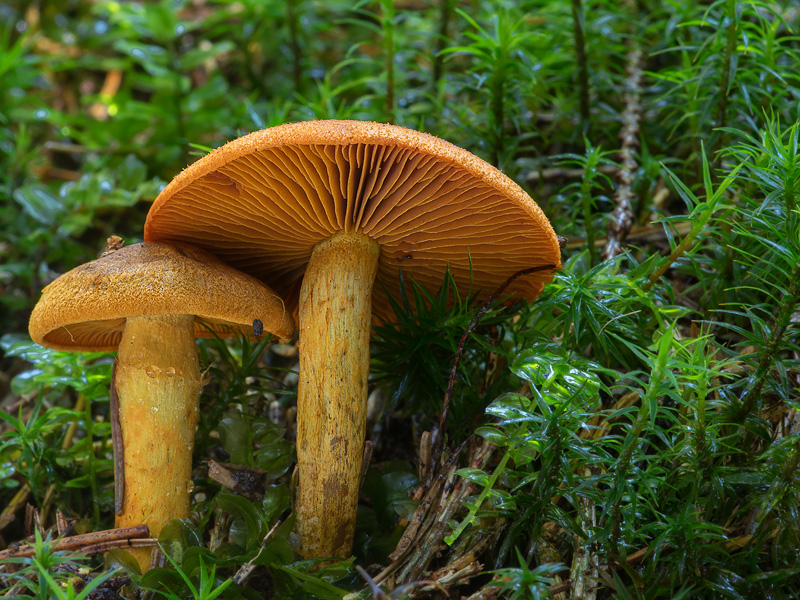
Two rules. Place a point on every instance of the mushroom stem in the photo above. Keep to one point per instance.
(335, 318)
(158, 386)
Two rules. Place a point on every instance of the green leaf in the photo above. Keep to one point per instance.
(276, 501)
(492, 435)
(250, 528)
(319, 588)
(177, 536)
(39, 203)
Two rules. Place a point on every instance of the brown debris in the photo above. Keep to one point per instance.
(113, 244)
(246, 481)
(423, 540)
(89, 543)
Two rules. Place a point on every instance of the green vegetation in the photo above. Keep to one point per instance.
(633, 433)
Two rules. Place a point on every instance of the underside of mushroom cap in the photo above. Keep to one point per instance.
(263, 201)
(86, 308)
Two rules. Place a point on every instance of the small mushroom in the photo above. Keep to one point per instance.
(340, 203)
(149, 301)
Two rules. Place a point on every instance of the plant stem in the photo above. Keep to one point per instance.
(177, 97)
(389, 52)
(470, 519)
(588, 213)
(579, 23)
(679, 251)
(87, 408)
(294, 43)
(438, 444)
(498, 110)
(445, 13)
(725, 79)
(622, 465)
(583, 573)
(786, 309)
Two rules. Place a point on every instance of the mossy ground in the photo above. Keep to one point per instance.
(631, 434)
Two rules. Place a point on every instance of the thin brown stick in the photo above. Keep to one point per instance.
(247, 568)
(17, 502)
(79, 543)
(476, 319)
(103, 547)
(116, 443)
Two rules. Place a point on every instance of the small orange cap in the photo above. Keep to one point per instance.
(85, 309)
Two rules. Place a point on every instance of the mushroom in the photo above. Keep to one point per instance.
(339, 203)
(149, 301)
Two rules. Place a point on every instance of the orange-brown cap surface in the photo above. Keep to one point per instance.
(85, 309)
(263, 201)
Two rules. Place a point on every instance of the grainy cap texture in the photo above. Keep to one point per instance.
(263, 201)
(85, 309)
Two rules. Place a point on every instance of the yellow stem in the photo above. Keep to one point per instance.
(158, 385)
(335, 318)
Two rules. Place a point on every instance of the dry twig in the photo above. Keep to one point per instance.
(424, 537)
(90, 543)
(247, 568)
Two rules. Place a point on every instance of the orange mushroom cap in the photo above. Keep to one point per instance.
(86, 308)
(261, 203)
